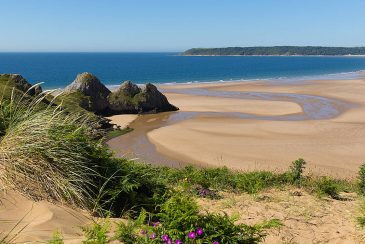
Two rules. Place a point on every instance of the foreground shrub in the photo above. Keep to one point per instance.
(180, 221)
(361, 177)
(325, 186)
(225, 179)
(46, 153)
(296, 170)
(57, 238)
(361, 219)
(97, 233)
(133, 186)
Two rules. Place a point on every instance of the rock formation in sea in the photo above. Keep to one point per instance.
(92, 93)
(152, 100)
(129, 98)
(122, 100)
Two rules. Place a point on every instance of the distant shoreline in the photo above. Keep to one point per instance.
(216, 55)
(277, 51)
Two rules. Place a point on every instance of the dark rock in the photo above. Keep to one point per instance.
(128, 89)
(129, 98)
(121, 101)
(151, 100)
(90, 86)
(18, 81)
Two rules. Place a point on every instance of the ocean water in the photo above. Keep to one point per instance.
(57, 70)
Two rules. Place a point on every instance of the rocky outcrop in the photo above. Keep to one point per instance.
(128, 89)
(92, 95)
(122, 100)
(96, 94)
(17, 81)
(152, 100)
(129, 98)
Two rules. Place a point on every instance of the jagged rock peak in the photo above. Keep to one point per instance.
(129, 89)
(151, 99)
(89, 85)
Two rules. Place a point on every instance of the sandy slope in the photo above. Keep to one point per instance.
(36, 221)
(305, 218)
(333, 146)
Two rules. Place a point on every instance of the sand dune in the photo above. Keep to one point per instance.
(32, 221)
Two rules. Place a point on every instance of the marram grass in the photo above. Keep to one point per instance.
(44, 152)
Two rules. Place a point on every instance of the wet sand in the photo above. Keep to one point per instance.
(256, 125)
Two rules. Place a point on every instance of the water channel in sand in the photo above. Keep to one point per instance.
(137, 145)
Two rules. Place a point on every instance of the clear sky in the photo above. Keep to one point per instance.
(176, 25)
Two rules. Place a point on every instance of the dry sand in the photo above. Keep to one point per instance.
(332, 146)
(29, 222)
(123, 120)
(305, 218)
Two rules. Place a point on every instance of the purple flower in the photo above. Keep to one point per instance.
(177, 241)
(143, 232)
(165, 237)
(155, 224)
(215, 242)
(153, 236)
(169, 241)
(192, 235)
(199, 231)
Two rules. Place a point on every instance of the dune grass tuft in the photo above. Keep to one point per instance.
(46, 153)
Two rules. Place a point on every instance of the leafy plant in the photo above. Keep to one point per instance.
(296, 170)
(180, 221)
(97, 233)
(328, 187)
(361, 182)
(56, 238)
(361, 219)
(129, 232)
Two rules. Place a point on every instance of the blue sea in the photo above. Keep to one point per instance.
(57, 70)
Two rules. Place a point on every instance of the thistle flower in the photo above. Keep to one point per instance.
(143, 232)
(192, 235)
(169, 241)
(215, 242)
(199, 231)
(178, 241)
(155, 224)
(153, 236)
(165, 237)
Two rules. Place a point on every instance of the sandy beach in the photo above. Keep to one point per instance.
(249, 133)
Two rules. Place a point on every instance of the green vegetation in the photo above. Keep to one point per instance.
(97, 233)
(117, 132)
(47, 153)
(56, 238)
(361, 183)
(277, 50)
(361, 218)
(181, 222)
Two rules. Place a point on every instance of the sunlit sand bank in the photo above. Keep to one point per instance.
(320, 121)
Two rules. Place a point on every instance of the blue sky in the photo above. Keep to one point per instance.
(176, 25)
